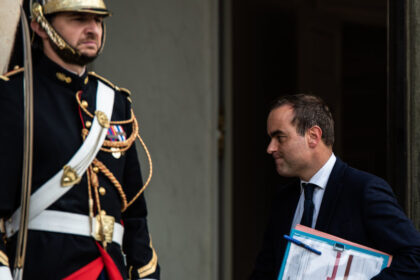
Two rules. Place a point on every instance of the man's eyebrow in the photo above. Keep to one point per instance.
(275, 133)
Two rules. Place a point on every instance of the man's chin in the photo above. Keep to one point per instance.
(89, 52)
(82, 60)
(283, 171)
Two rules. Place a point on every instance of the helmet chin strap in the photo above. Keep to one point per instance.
(56, 39)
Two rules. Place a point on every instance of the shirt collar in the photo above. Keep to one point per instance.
(321, 177)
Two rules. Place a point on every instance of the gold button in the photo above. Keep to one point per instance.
(102, 191)
(86, 80)
(95, 169)
(85, 132)
(102, 119)
(84, 104)
(88, 124)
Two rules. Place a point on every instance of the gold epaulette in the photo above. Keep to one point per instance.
(106, 81)
(125, 90)
(16, 70)
(128, 94)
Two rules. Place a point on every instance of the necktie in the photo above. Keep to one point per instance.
(308, 206)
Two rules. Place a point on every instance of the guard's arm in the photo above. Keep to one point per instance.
(142, 260)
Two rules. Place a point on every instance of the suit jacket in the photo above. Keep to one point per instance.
(356, 206)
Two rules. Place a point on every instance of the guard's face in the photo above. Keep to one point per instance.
(83, 31)
(289, 149)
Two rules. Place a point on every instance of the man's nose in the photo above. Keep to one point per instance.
(272, 147)
(94, 26)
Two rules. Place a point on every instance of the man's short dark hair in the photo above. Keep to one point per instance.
(310, 110)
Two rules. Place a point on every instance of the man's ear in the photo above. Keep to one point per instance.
(36, 27)
(314, 135)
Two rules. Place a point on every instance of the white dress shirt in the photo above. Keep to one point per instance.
(320, 179)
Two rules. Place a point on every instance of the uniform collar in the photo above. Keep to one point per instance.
(62, 76)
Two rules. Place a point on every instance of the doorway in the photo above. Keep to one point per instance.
(334, 49)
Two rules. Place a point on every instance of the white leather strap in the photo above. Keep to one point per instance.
(69, 223)
(52, 190)
(5, 273)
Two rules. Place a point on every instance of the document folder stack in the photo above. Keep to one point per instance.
(339, 260)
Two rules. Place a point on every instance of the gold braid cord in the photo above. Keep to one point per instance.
(149, 159)
(122, 147)
(88, 174)
(113, 180)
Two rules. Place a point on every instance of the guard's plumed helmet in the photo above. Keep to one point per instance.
(42, 8)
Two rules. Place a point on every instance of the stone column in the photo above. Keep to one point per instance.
(166, 53)
(412, 11)
(9, 17)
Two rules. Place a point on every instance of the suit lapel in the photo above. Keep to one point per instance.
(332, 192)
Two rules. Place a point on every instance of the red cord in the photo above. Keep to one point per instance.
(79, 93)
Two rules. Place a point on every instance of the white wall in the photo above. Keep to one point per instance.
(165, 52)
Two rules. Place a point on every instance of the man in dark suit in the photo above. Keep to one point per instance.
(329, 196)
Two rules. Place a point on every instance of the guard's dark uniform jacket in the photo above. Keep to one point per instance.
(58, 124)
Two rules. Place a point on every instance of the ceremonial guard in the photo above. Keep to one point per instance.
(87, 213)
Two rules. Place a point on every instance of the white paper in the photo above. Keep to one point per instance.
(303, 264)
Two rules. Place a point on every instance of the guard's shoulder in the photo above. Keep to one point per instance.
(112, 85)
(6, 76)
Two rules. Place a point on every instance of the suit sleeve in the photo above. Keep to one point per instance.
(393, 232)
(142, 260)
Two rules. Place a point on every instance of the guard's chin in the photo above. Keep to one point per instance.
(80, 60)
(69, 57)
